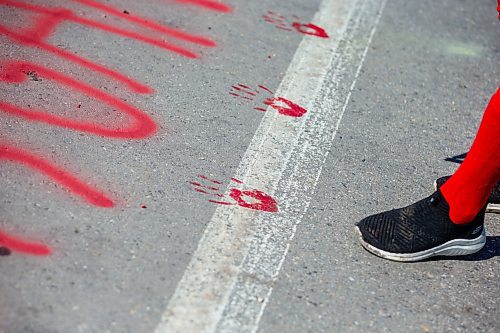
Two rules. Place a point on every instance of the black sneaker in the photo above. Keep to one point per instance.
(493, 201)
(421, 231)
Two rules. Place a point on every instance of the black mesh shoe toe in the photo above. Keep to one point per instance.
(419, 231)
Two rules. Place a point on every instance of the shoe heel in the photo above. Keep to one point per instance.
(464, 247)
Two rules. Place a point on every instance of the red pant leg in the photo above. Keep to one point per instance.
(467, 191)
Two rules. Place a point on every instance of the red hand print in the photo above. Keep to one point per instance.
(280, 104)
(280, 22)
(251, 199)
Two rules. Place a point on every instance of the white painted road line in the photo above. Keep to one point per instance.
(228, 282)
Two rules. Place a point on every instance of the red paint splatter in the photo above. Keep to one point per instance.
(57, 174)
(250, 199)
(280, 104)
(310, 29)
(288, 109)
(266, 202)
(14, 72)
(22, 246)
(281, 22)
(212, 5)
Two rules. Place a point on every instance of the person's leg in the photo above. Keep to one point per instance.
(467, 191)
(450, 221)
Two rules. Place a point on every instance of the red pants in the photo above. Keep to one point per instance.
(467, 191)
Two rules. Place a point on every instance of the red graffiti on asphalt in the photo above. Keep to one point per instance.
(294, 24)
(210, 4)
(44, 22)
(9, 243)
(16, 72)
(280, 104)
(252, 199)
(64, 178)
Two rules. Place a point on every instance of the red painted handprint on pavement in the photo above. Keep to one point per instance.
(251, 199)
(280, 22)
(280, 104)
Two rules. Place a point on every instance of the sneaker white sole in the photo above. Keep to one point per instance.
(490, 208)
(455, 247)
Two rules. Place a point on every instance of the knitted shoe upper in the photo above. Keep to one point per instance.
(418, 227)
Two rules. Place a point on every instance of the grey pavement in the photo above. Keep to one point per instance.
(427, 76)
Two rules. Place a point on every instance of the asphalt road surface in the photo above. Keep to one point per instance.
(198, 166)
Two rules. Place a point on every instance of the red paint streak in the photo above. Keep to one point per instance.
(149, 24)
(207, 187)
(212, 188)
(290, 109)
(209, 4)
(260, 109)
(244, 90)
(236, 180)
(23, 246)
(265, 88)
(310, 29)
(24, 40)
(67, 15)
(221, 202)
(212, 180)
(266, 202)
(244, 86)
(57, 174)
(14, 72)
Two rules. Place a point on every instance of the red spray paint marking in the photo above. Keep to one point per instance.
(45, 24)
(251, 199)
(150, 24)
(23, 40)
(14, 72)
(62, 15)
(281, 22)
(57, 174)
(280, 104)
(22, 246)
(212, 5)
(52, 17)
